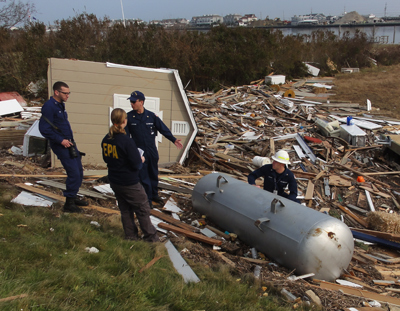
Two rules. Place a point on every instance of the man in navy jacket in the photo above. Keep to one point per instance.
(54, 126)
(277, 176)
(143, 126)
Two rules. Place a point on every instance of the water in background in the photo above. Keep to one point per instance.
(381, 34)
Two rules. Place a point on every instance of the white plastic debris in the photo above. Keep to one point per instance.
(95, 223)
(26, 198)
(16, 150)
(92, 250)
(374, 303)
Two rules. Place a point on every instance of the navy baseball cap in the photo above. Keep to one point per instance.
(136, 95)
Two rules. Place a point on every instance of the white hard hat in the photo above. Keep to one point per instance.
(282, 157)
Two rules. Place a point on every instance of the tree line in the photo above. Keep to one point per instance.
(220, 56)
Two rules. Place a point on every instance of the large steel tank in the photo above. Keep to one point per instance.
(295, 236)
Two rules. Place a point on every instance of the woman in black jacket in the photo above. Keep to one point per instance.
(124, 162)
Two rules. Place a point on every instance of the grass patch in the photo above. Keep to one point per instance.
(378, 84)
(42, 254)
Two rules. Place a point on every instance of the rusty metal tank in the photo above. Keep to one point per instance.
(295, 236)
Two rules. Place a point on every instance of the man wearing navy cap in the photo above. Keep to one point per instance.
(143, 126)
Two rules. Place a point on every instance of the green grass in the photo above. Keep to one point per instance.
(46, 259)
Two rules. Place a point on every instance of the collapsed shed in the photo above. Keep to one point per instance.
(98, 88)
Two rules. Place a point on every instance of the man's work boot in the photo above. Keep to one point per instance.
(70, 207)
(80, 202)
(158, 200)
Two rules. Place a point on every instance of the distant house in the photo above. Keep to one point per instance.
(232, 19)
(98, 88)
(206, 20)
(170, 22)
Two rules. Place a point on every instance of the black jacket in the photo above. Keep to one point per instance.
(274, 181)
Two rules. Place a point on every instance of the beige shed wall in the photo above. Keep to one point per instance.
(92, 86)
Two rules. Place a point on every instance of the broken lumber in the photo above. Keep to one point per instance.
(352, 215)
(362, 174)
(190, 234)
(359, 293)
(173, 221)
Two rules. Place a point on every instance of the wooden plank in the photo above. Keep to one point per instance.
(33, 176)
(379, 234)
(181, 176)
(272, 146)
(352, 215)
(359, 259)
(257, 261)
(152, 262)
(383, 173)
(62, 199)
(190, 234)
(363, 271)
(172, 220)
(174, 188)
(385, 195)
(228, 261)
(319, 175)
(220, 233)
(310, 191)
(360, 293)
(335, 180)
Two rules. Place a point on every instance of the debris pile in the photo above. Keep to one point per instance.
(342, 157)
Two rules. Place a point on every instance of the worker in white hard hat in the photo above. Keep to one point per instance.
(277, 176)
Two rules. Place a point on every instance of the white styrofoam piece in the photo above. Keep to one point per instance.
(10, 106)
(26, 198)
(172, 206)
(106, 189)
(312, 70)
(275, 79)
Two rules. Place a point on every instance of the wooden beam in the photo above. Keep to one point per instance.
(352, 215)
(310, 191)
(33, 176)
(181, 176)
(190, 234)
(172, 220)
(152, 262)
(383, 173)
(174, 188)
(228, 261)
(379, 234)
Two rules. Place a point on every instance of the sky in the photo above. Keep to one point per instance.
(49, 11)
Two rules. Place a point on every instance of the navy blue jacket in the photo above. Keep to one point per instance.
(55, 112)
(122, 158)
(143, 128)
(274, 181)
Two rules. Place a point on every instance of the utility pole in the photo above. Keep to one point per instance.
(385, 9)
(123, 16)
